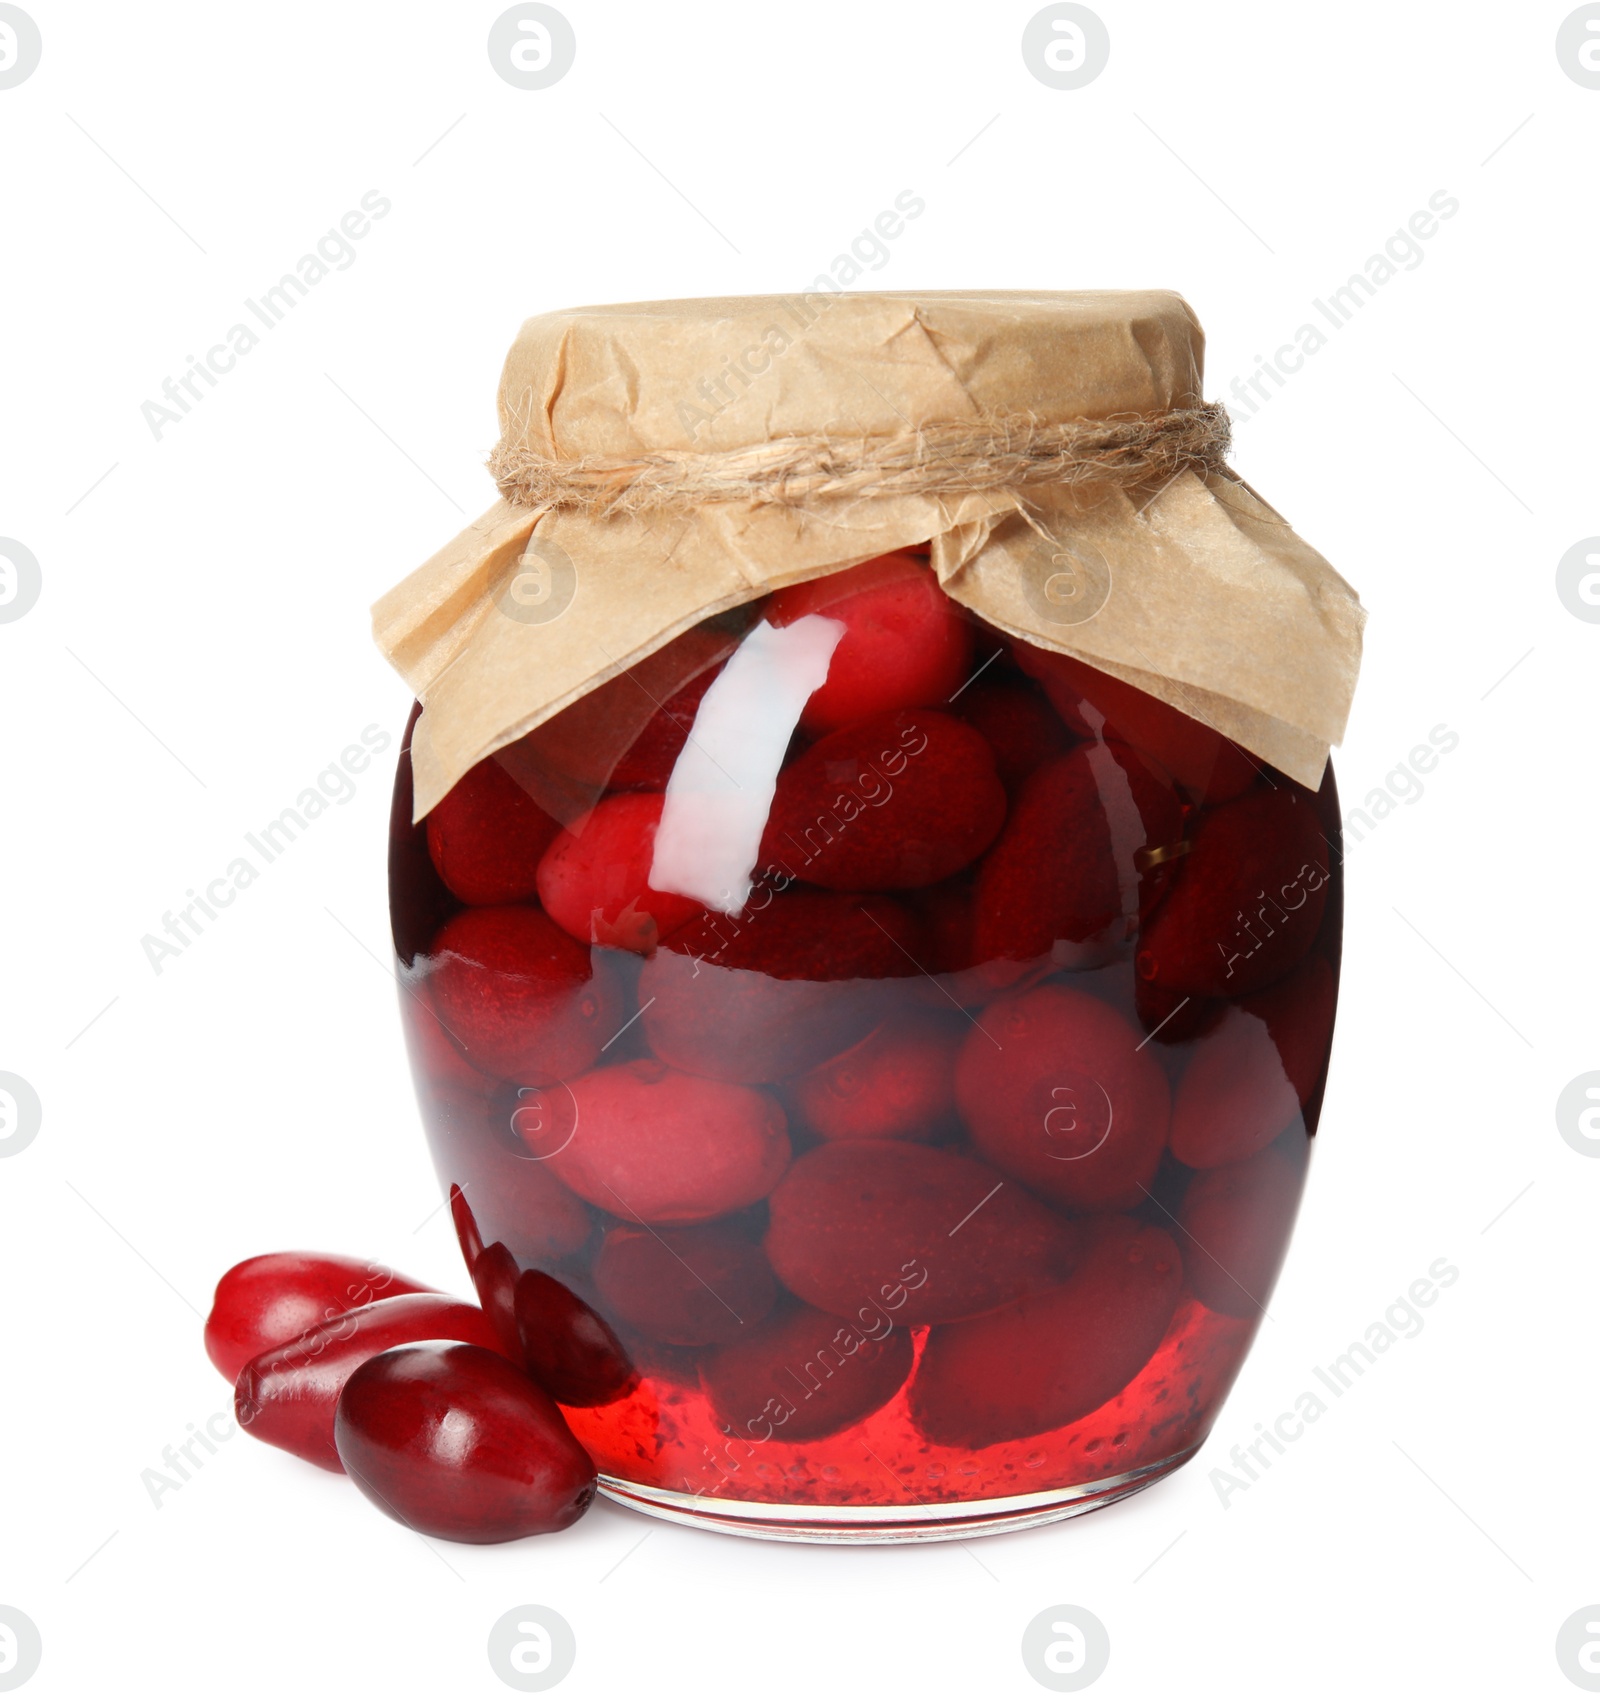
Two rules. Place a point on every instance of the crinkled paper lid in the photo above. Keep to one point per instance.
(1191, 588)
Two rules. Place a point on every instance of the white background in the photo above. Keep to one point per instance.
(200, 652)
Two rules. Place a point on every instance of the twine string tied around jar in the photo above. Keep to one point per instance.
(1009, 453)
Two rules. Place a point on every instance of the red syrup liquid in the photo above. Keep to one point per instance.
(846, 1210)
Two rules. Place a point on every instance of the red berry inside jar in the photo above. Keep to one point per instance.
(879, 1105)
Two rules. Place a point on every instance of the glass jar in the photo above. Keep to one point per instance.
(872, 1063)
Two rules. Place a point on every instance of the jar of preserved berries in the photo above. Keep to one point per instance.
(868, 908)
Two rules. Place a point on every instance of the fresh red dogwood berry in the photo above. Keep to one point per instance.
(1244, 904)
(1019, 725)
(796, 977)
(897, 1082)
(452, 1441)
(911, 1234)
(272, 1299)
(1056, 1091)
(594, 880)
(566, 1347)
(905, 643)
(1095, 704)
(469, 1237)
(685, 1285)
(1249, 1079)
(286, 1396)
(526, 1001)
(1068, 867)
(1054, 1357)
(1235, 1223)
(650, 1143)
(805, 1375)
(487, 836)
(889, 803)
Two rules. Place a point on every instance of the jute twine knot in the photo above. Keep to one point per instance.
(1018, 452)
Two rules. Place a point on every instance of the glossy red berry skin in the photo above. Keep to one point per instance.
(1094, 704)
(1057, 1092)
(1251, 1076)
(925, 1235)
(1017, 721)
(271, 1299)
(805, 1374)
(628, 733)
(648, 764)
(487, 836)
(892, 803)
(454, 1442)
(1069, 868)
(1234, 1226)
(286, 1396)
(525, 1001)
(987, 1379)
(1245, 903)
(898, 1082)
(646, 1142)
(904, 644)
(594, 880)
(567, 1348)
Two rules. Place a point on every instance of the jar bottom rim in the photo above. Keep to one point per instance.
(900, 1523)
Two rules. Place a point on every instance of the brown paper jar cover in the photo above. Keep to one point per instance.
(1192, 588)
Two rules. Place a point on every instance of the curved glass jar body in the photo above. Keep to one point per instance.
(872, 1063)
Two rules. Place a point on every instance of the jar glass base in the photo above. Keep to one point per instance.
(904, 1523)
